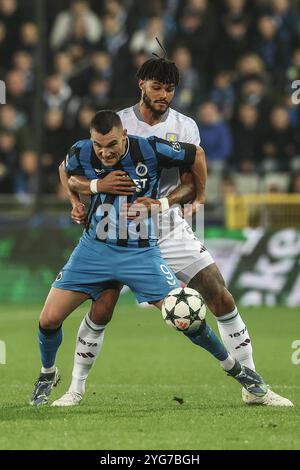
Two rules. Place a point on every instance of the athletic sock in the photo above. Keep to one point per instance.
(208, 340)
(49, 342)
(235, 336)
(88, 345)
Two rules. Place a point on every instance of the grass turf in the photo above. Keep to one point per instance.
(143, 366)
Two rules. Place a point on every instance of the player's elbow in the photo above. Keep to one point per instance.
(72, 183)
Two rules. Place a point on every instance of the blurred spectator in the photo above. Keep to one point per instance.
(81, 129)
(286, 20)
(10, 17)
(253, 91)
(278, 143)
(64, 24)
(196, 31)
(55, 147)
(29, 37)
(223, 93)
(188, 91)
(23, 61)
(215, 135)
(268, 44)
(114, 35)
(26, 176)
(250, 64)
(13, 121)
(293, 71)
(245, 130)
(8, 157)
(233, 44)
(145, 39)
(63, 65)
(16, 93)
(57, 92)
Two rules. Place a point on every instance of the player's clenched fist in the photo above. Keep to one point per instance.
(78, 213)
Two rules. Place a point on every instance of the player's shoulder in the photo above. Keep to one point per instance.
(126, 113)
(181, 118)
(82, 144)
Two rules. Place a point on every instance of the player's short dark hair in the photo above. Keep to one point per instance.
(105, 120)
(160, 69)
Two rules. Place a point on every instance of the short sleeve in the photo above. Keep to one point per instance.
(173, 154)
(72, 162)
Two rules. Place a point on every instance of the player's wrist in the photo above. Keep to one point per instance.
(94, 186)
(164, 204)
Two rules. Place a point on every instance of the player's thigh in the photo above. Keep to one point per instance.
(149, 276)
(186, 255)
(59, 304)
(102, 309)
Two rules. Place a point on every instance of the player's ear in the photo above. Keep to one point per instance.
(141, 85)
(124, 132)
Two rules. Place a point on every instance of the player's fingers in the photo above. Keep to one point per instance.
(126, 184)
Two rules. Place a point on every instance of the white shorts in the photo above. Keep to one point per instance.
(184, 252)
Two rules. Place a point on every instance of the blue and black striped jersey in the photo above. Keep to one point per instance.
(143, 161)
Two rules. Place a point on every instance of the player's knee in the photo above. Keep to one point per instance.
(50, 320)
(222, 302)
(101, 312)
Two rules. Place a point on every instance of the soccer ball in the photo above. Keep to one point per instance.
(184, 309)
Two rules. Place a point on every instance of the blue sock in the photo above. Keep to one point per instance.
(207, 339)
(49, 342)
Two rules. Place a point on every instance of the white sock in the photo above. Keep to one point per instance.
(235, 337)
(88, 345)
(228, 364)
(44, 370)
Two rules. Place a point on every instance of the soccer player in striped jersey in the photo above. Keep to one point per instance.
(188, 257)
(115, 249)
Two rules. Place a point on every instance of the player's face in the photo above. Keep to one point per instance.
(109, 147)
(157, 96)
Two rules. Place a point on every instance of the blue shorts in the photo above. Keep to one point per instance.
(94, 266)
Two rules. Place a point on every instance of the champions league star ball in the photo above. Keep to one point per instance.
(184, 309)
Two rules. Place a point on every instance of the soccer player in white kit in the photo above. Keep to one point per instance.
(187, 256)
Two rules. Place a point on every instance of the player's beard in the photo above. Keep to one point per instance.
(156, 112)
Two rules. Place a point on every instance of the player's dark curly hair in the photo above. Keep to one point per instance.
(105, 120)
(160, 69)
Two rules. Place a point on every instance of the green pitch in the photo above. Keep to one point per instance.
(150, 389)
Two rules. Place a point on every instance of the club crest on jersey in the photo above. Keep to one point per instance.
(141, 169)
(176, 146)
(171, 137)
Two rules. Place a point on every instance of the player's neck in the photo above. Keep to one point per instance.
(148, 116)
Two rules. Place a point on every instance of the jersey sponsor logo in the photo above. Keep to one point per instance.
(176, 146)
(141, 169)
(171, 136)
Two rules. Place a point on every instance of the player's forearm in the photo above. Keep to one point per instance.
(80, 184)
(73, 196)
(199, 172)
(183, 194)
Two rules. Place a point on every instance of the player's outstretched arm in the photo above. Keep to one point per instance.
(185, 192)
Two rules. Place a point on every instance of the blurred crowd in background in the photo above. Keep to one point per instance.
(238, 62)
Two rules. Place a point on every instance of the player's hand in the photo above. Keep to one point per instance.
(193, 208)
(78, 213)
(142, 207)
(117, 182)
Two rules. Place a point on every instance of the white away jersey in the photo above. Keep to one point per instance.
(173, 126)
